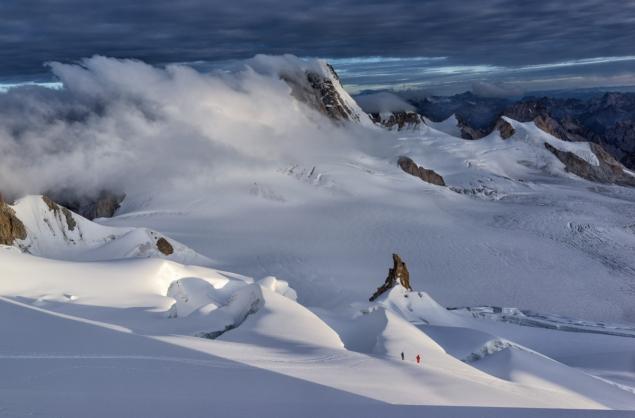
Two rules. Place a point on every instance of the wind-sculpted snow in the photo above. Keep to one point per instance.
(253, 172)
(242, 324)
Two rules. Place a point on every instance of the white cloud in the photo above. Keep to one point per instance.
(128, 126)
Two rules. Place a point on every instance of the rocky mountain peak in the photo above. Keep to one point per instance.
(398, 274)
(318, 85)
(60, 211)
(429, 176)
(103, 204)
(398, 120)
(11, 227)
(607, 119)
(609, 170)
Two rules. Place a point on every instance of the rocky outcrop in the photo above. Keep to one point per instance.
(606, 119)
(324, 93)
(479, 113)
(60, 211)
(551, 126)
(11, 228)
(468, 131)
(424, 174)
(397, 120)
(504, 128)
(398, 274)
(164, 246)
(609, 170)
(102, 205)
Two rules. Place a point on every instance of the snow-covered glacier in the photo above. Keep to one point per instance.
(261, 209)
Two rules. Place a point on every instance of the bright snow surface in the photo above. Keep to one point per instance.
(102, 324)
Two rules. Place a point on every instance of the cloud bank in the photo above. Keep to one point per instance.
(126, 126)
(397, 41)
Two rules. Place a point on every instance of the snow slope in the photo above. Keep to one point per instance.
(55, 232)
(137, 298)
(512, 229)
(305, 212)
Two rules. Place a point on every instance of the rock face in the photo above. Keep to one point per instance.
(468, 131)
(398, 274)
(505, 129)
(103, 205)
(164, 246)
(606, 119)
(541, 113)
(324, 93)
(424, 174)
(479, 113)
(60, 211)
(608, 171)
(397, 120)
(11, 228)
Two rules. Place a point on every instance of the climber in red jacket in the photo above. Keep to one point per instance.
(418, 359)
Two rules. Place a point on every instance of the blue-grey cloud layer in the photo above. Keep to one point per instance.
(497, 33)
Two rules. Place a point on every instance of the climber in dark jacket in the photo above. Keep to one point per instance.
(402, 356)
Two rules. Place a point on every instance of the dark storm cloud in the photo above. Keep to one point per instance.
(486, 32)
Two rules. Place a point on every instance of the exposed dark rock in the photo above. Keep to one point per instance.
(480, 113)
(505, 128)
(398, 274)
(608, 171)
(103, 205)
(321, 94)
(57, 210)
(468, 131)
(164, 246)
(11, 227)
(424, 174)
(605, 119)
(400, 120)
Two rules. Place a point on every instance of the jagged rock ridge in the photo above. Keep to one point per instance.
(606, 119)
(60, 211)
(11, 227)
(608, 171)
(424, 174)
(398, 274)
(397, 120)
(504, 128)
(102, 205)
(324, 92)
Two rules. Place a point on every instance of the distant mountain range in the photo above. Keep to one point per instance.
(607, 119)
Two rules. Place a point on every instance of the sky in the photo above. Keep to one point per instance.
(497, 47)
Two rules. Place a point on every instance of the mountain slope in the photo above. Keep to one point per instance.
(273, 174)
(53, 231)
(137, 298)
(604, 119)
